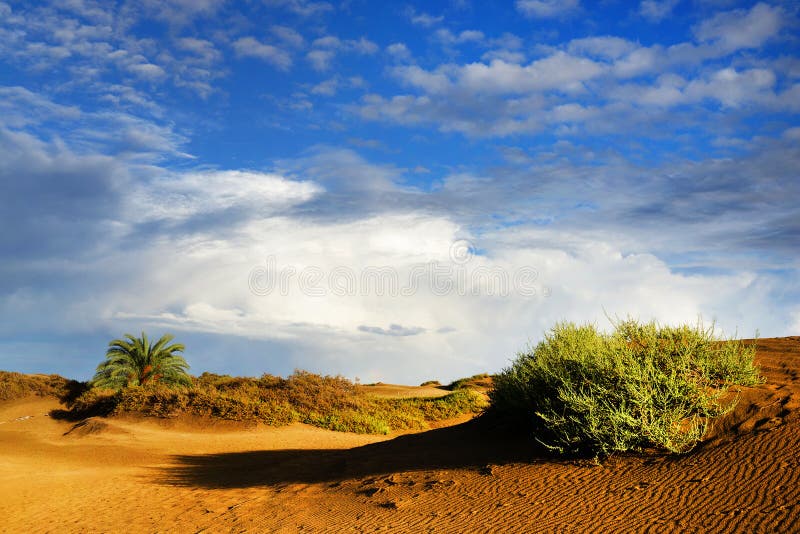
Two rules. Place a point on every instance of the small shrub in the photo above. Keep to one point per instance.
(640, 387)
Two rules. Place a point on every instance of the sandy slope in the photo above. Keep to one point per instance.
(126, 475)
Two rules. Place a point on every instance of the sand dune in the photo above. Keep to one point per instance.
(190, 475)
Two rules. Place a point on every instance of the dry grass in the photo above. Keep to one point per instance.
(330, 402)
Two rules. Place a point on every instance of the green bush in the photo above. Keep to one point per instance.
(642, 386)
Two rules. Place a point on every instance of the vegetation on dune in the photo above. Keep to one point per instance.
(146, 378)
(329, 402)
(580, 390)
(18, 385)
(642, 386)
(138, 362)
(480, 381)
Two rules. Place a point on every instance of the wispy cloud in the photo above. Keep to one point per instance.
(393, 330)
(422, 19)
(546, 9)
(656, 10)
(304, 8)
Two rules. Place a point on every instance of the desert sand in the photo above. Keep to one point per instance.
(147, 475)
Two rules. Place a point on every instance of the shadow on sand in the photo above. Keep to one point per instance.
(474, 444)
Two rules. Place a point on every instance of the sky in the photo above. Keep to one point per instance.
(391, 191)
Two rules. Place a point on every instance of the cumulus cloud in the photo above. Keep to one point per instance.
(483, 99)
(606, 47)
(399, 51)
(741, 29)
(449, 38)
(288, 35)
(732, 88)
(204, 51)
(251, 47)
(558, 71)
(147, 71)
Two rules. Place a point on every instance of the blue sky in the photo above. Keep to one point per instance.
(165, 164)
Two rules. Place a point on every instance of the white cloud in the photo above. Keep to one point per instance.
(507, 56)
(394, 330)
(327, 87)
(321, 59)
(639, 61)
(147, 71)
(178, 12)
(657, 10)
(362, 46)
(85, 41)
(304, 8)
(606, 47)
(740, 29)
(448, 38)
(431, 82)
(666, 92)
(733, 88)
(399, 51)
(406, 338)
(250, 47)
(326, 48)
(547, 9)
(288, 35)
(21, 107)
(422, 19)
(188, 195)
(558, 71)
(205, 51)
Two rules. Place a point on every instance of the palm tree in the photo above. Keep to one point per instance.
(138, 362)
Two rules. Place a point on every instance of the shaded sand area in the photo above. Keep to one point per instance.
(192, 475)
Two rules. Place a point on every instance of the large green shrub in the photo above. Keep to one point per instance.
(642, 386)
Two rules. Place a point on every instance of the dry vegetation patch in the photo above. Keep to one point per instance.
(330, 402)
